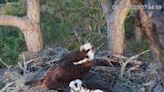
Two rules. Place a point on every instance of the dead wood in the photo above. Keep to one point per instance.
(100, 77)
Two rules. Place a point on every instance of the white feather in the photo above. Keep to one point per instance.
(91, 54)
(81, 61)
(86, 47)
(79, 87)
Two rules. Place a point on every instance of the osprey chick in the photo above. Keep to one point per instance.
(76, 86)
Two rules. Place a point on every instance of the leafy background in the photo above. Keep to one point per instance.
(67, 24)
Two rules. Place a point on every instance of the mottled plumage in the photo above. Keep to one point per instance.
(68, 68)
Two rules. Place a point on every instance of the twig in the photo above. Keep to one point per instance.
(6, 86)
(100, 46)
(24, 62)
(135, 57)
(124, 64)
(32, 60)
(77, 36)
(20, 65)
(135, 62)
(132, 68)
(24, 66)
(104, 58)
(4, 63)
(8, 66)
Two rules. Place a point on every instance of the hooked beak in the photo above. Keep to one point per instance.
(93, 50)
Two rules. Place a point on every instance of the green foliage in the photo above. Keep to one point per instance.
(1, 85)
(11, 39)
(134, 48)
(11, 45)
(129, 24)
(13, 0)
(14, 8)
(61, 22)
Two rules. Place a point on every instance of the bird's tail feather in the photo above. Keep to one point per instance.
(34, 83)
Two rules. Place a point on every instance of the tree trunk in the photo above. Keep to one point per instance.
(153, 39)
(137, 28)
(152, 22)
(138, 34)
(115, 23)
(33, 38)
(29, 25)
(33, 35)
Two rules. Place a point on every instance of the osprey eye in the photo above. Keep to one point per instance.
(76, 84)
(88, 50)
(87, 56)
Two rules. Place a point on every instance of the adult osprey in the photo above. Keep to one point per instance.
(70, 67)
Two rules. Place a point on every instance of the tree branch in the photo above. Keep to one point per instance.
(7, 20)
(106, 8)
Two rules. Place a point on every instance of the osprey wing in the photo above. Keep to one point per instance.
(52, 77)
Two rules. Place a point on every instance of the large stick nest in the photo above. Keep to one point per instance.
(114, 73)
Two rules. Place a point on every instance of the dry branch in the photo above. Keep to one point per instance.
(124, 64)
(107, 76)
(105, 59)
(77, 36)
(4, 63)
(6, 86)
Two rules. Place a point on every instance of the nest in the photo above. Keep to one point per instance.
(112, 72)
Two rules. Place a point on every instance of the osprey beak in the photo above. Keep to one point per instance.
(94, 49)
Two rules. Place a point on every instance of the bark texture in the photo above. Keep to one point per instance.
(150, 28)
(138, 28)
(115, 17)
(152, 21)
(29, 25)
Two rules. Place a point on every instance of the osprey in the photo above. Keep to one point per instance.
(76, 86)
(70, 67)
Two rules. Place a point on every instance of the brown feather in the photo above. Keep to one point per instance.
(65, 71)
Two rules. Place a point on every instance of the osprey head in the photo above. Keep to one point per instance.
(89, 49)
(75, 85)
